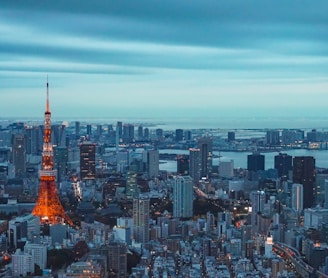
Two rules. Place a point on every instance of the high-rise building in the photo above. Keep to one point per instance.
(140, 132)
(61, 160)
(231, 136)
(39, 253)
(146, 133)
(19, 154)
(87, 160)
(77, 128)
(117, 259)
(297, 197)
(141, 219)
(205, 147)
(187, 135)
(152, 163)
(183, 197)
(283, 163)
(273, 137)
(89, 129)
(195, 164)
(178, 135)
(99, 130)
(304, 173)
(48, 207)
(119, 129)
(183, 165)
(33, 137)
(255, 162)
(128, 133)
(159, 133)
(58, 133)
(258, 200)
(22, 263)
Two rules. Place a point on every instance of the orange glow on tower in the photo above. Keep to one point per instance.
(48, 207)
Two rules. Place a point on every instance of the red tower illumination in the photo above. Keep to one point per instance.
(48, 206)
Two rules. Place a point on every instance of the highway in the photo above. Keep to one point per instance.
(295, 258)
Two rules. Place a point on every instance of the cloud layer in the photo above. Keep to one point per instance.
(160, 53)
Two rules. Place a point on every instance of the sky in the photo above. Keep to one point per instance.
(164, 58)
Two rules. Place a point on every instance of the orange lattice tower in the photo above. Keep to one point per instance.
(48, 206)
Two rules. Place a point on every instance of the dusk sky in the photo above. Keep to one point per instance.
(162, 58)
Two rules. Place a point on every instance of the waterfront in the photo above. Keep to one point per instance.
(240, 158)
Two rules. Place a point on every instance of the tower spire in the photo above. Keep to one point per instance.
(47, 104)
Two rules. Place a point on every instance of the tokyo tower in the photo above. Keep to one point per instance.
(48, 206)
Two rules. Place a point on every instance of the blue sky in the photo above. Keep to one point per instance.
(164, 58)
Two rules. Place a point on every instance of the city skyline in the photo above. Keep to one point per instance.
(164, 58)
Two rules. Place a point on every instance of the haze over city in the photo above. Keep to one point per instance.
(164, 59)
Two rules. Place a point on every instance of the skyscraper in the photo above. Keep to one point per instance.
(77, 128)
(178, 135)
(183, 165)
(87, 160)
(152, 163)
(283, 163)
(141, 219)
(297, 197)
(117, 259)
(195, 164)
(48, 207)
(61, 160)
(183, 197)
(255, 162)
(272, 137)
(231, 136)
(19, 154)
(205, 147)
(258, 200)
(304, 173)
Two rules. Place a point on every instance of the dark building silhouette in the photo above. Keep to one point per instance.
(128, 133)
(205, 147)
(178, 135)
(140, 132)
(61, 160)
(183, 165)
(255, 162)
(87, 160)
(19, 154)
(77, 128)
(231, 136)
(283, 163)
(89, 129)
(304, 173)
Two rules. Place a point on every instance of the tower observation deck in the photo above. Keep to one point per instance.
(48, 206)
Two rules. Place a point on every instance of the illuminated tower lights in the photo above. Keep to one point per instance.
(48, 207)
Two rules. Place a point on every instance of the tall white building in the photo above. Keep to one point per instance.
(297, 197)
(268, 247)
(183, 197)
(22, 263)
(141, 219)
(39, 253)
(258, 200)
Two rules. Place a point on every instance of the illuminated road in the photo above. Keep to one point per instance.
(295, 258)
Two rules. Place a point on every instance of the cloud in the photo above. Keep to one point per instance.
(163, 47)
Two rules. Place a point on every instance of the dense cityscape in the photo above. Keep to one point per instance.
(83, 199)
